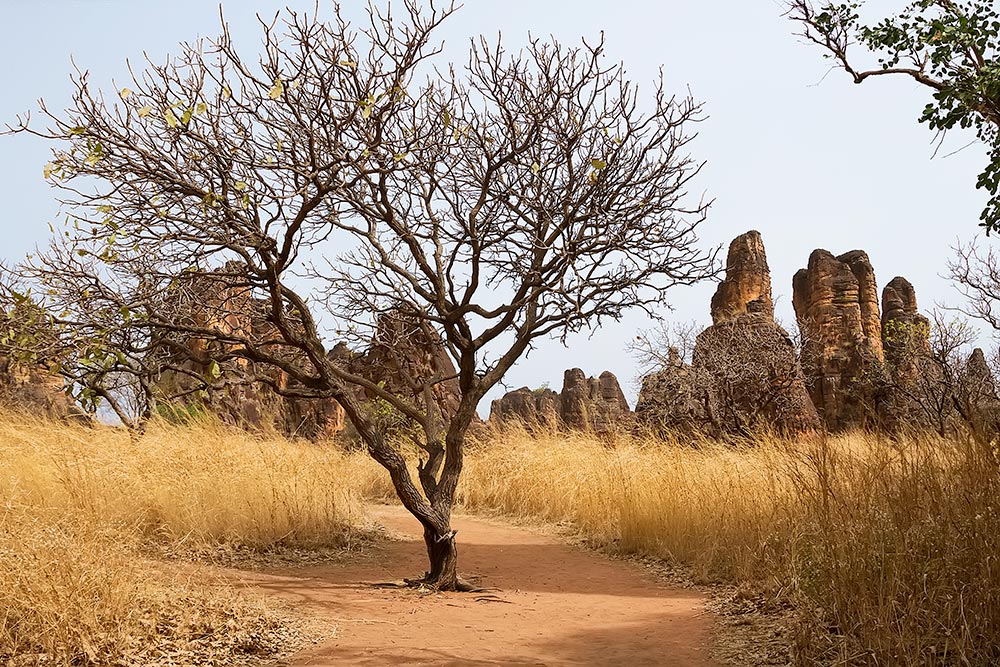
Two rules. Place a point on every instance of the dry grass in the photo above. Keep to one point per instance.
(888, 549)
(83, 510)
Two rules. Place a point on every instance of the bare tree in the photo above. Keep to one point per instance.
(526, 196)
(924, 372)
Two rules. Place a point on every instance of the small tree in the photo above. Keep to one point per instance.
(528, 196)
(924, 372)
(949, 46)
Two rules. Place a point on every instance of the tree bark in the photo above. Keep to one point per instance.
(442, 554)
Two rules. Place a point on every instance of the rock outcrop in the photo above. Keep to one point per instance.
(836, 305)
(34, 390)
(584, 404)
(748, 280)
(595, 404)
(744, 371)
(752, 369)
(673, 400)
(534, 408)
(235, 394)
(404, 356)
(904, 330)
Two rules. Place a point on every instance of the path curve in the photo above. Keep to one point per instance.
(557, 605)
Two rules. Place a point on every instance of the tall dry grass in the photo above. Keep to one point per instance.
(83, 510)
(888, 548)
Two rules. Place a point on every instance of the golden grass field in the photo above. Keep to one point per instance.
(88, 514)
(887, 549)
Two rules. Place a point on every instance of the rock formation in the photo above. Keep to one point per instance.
(34, 390)
(752, 370)
(979, 376)
(584, 404)
(216, 301)
(748, 280)
(906, 346)
(836, 305)
(534, 408)
(402, 357)
(596, 404)
(904, 330)
(744, 370)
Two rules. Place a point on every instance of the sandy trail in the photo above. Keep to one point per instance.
(557, 605)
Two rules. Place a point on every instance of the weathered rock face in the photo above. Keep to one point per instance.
(836, 305)
(596, 404)
(752, 370)
(906, 344)
(34, 390)
(538, 408)
(744, 371)
(748, 280)
(403, 356)
(207, 301)
(584, 404)
(979, 376)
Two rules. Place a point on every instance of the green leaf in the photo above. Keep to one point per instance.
(200, 108)
(598, 164)
(186, 116)
(145, 111)
(535, 168)
(214, 371)
(170, 118)
(77, 130)
(239, 186)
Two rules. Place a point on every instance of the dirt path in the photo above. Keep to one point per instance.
(558, 605)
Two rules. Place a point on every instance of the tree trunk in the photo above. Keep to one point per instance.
(442, 553)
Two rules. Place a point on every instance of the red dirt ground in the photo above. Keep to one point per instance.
(557, 605)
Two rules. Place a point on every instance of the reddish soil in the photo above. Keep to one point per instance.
(556, 605)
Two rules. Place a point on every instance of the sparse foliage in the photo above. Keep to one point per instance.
(528, 196)
(949, 46)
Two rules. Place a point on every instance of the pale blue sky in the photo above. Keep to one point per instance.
(809, 161)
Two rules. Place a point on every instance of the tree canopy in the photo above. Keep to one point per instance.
(346, 177)
(951, 47)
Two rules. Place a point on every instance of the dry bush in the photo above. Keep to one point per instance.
(888, 549)
(82, 510)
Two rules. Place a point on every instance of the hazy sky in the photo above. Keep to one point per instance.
(811, 162)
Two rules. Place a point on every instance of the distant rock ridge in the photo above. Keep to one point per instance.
(584, 404)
